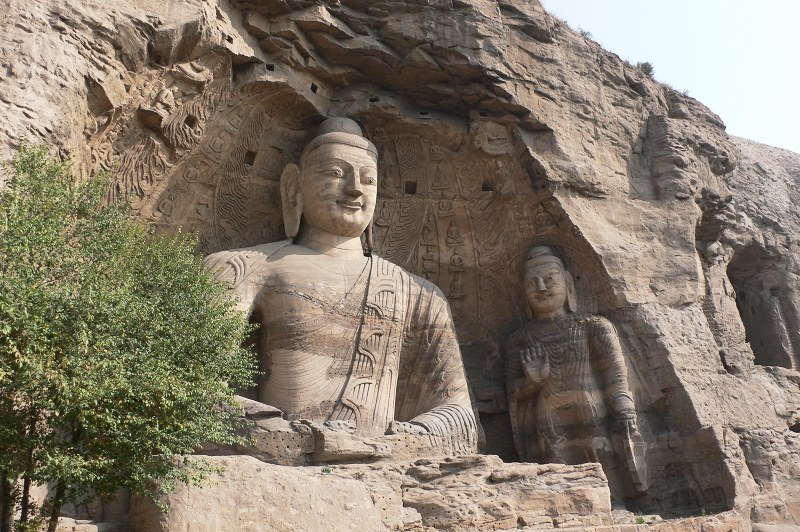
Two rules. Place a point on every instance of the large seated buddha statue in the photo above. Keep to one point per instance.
(348, 338)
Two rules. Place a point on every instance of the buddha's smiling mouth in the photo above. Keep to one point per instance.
(351, 204)
(544, 297)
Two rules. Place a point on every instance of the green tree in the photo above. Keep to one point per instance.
(116, 348)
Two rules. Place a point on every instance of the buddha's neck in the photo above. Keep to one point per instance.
(345, 247)
(551, 316)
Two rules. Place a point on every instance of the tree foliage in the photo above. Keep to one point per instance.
(116, 348)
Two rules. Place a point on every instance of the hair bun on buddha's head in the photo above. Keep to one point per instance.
(339, 124)
(543, 254)
(340, 130)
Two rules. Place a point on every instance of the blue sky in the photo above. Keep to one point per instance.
(740, 58)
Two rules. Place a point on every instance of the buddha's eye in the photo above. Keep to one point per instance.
(336, 172)
(368, 179)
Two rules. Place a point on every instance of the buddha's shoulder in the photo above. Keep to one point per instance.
(544, 328)
(234, 265)
(516, 338)
(594, 322)
(260, 251)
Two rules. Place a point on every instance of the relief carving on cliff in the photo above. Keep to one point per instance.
(569, 398)
(454, 206)
(349, 341)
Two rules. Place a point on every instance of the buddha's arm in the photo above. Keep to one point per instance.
(450, 414)
(610, 365)
(243, 270)
(432, 388)
(519, 386)
(231, 267)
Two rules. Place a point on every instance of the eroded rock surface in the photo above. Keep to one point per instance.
(465, 493)
(251, 495)
(497, 128)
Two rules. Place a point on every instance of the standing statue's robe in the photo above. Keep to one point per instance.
(383, 351)
(567, 420)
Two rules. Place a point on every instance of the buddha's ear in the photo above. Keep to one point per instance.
(572, 302)
(291, 199)
(368, 239)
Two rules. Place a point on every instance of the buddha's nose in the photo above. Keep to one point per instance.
(353, 185)
(540, 284)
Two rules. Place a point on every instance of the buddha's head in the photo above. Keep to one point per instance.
(548, 285)
(335, 186)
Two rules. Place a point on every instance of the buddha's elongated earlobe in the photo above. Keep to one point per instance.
(291, 199)
(572, 303)
(369, 241)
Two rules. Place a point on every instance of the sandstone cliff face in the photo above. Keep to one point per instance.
(498, 128)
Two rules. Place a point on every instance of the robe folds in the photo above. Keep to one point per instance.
(382, 349)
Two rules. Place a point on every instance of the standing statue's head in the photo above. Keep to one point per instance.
(335, 186)
(548, 285)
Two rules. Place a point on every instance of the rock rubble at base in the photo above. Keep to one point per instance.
(477, 492)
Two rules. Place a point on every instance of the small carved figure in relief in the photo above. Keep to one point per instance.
(446, 208)
(384, 216)
(457, 262)
(165, 100)
(456, 288)
(543, 219)
(567, 383)
(194, 71)
(428, 231)
(348, 338)
(203, 208)
(166, 205)
(428, 260)
(439, 180)
(491, 137)
(454, 234)
(389, 174)
(505, 176)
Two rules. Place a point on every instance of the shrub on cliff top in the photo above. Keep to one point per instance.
(646, 68)
(116, 348)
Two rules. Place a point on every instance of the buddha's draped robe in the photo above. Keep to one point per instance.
(384, 350)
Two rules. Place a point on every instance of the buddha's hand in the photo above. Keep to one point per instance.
(535, 363)
(404, 427)
(524, 389)
(627, 422)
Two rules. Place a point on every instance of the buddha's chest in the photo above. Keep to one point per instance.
(339, 298)
(314, 285)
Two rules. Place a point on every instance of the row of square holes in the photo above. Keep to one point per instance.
(372, 99)
(411, 187)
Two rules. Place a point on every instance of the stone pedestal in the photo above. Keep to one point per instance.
(471, 492)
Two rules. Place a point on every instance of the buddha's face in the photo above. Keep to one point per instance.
(545, 287)
(338, 183)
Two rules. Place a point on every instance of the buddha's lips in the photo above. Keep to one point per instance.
(350, 204)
